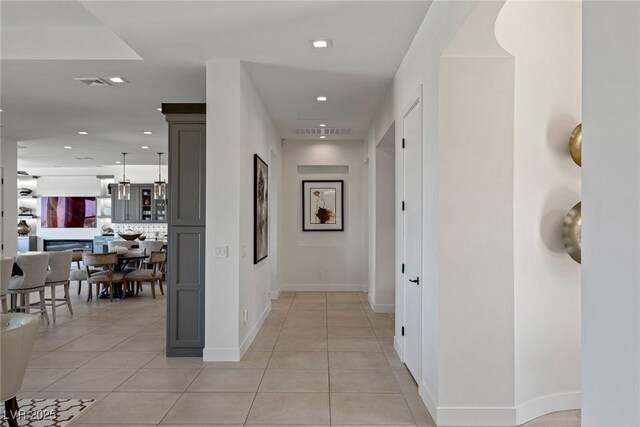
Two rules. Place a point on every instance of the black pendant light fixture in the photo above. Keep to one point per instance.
(124, 186)
(160, 186)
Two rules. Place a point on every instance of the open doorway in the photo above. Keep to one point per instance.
(382, 295)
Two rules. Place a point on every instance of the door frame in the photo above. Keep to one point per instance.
(416, 100)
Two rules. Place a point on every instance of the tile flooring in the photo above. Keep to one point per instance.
(321, 358)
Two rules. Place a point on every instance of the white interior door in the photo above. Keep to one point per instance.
(412, 223)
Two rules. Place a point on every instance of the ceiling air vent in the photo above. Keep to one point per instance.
(93, 81)
(323, 131)
(85, 158)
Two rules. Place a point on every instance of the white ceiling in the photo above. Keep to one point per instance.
(162, 47)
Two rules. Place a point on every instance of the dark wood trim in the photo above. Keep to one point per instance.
(183, 108)
(256, 160)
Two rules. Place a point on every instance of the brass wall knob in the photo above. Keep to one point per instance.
(572, 233)
(575, 144)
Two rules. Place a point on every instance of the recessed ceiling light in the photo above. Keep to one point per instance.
(322, 125)
(1, 110)
(145, 147)
(83, 133)
(321, 98)
(322, 137)
(68, 147)
(147, 132)
(118, 161)
(118, 80)
(159, 108)
(320, 44)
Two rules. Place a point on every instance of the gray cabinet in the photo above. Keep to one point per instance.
(125, 210)
(186, 291)
(140, 208)
(187, 174)
(187, 228)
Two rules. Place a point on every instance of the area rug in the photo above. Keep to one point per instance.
(48, 412)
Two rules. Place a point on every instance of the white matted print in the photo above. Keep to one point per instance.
(322, 206)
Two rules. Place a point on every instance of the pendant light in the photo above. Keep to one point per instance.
(124, 186)
(160, 186)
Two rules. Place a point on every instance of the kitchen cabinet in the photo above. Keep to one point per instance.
(140, 208)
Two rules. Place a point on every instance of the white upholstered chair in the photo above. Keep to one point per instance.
(19, 333)
(58, 275)
(34, 269)
(6, 267)
(111, 244)
(149, 246)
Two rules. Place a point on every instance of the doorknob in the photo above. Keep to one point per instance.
(416, 281)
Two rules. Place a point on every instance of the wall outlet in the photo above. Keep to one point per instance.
(222, 251)
(245, 315)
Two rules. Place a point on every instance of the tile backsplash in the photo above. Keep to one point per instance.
(148, 230)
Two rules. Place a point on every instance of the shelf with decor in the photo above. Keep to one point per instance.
(27, 207)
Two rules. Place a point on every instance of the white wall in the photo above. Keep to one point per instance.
(238, 126)
(475, 211)
(258, 136)
(611, 209)
(8, 161)
(420, 68)
(322, 260)
(546, 40)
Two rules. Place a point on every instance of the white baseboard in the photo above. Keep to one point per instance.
(325, 288)
(215, 354)
(397, 344)
(382, 308)
(254, 331)
(500, 416)
(276, 295)
(543, 405)
(234, 354)
(497, 416)
(429, 401)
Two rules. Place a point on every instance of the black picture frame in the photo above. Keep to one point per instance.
(260, 209)
(306, 209)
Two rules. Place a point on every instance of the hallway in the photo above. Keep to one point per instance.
(320, 358)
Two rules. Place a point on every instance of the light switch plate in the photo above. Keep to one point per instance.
(222, 252)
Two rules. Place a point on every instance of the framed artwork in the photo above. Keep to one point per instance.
(260, 209)
(322, 206)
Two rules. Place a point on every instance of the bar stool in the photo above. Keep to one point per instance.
(60, 265)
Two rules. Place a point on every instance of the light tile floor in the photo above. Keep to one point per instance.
(320, 358)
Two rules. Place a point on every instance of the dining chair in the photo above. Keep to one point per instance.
(73, 276)
(107, 276)
(153, 275)
(149, 246)
(6, 267)
(34, 269)
(111, 244)
(18, 336)
(58, 275)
